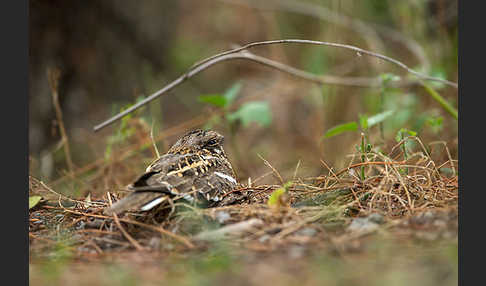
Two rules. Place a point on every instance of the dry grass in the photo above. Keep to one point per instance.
(317, 231)
(396, 189)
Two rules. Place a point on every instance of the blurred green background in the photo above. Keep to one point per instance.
(111, 53)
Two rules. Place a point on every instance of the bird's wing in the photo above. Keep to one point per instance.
(136, 200)
(196, 178)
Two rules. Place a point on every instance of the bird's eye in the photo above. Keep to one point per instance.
(212, 142)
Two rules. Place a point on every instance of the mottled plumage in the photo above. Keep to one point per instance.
(195, 168)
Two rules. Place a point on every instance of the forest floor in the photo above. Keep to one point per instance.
(380, 221)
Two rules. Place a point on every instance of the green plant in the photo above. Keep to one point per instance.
(33, 201)
(403, 134)
(385, 78)
(442, 102)
(275, 199)
(364, 122)
(124, 131)
(435, 123)
(252, 111)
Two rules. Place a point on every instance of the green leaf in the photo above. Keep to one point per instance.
(435, 121)
(273, 199)
(231, 93)
(224, 100)
(275, 196)
(402, 131)
(363, 122)
(33, 201)
(411, 133)
(253, 111)
(350, 126)
(214, 99)
(377, 118)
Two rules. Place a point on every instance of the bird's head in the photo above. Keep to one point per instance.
(198, 140)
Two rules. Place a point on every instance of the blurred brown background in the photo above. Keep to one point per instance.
(110, 53)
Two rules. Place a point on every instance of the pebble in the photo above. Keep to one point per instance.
(155, 242)
(362, 224)
(222, 216)
(428, 215)
(274, 230)
(264, 238)
(440, 223)
(308, 231)
(376, 218)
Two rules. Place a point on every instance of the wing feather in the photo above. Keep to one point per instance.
(191, 176)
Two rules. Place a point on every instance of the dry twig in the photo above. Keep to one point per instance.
(237, 53)
(125, 233)
(53, 76)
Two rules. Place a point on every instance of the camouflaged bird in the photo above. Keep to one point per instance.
(195, 168)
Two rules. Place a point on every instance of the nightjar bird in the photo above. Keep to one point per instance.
(195, 168)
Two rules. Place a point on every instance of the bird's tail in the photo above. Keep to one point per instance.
(143, 201)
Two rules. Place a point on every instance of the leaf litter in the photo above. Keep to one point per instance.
(409, 197)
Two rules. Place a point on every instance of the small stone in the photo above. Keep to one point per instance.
(274, 230)
(376, 218)
(264, 238)
(154, 243)
(222, 216)
(308, 231)
(362, 225)
(440, 223)
(428, 215)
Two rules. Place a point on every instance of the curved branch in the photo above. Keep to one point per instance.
(336, 45)
(368, 31)
(238, 53)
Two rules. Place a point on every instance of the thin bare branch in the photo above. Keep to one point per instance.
(236, 54)
(368, 31)
(277, 174)
(53, 75)
(359, 52)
